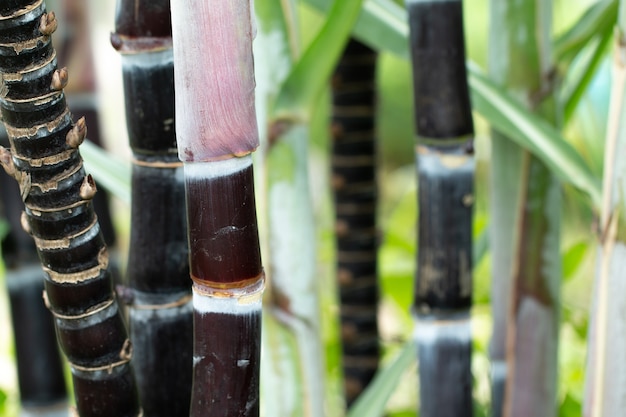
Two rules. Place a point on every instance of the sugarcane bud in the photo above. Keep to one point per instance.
(88, 188)
(77, 134)
(127, 350)
(48, 24)
(24, 223)
(59, 79)
(7, 161)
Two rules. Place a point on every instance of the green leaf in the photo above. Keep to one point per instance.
(372, 402)
(108, 171)
(310, 75)
(510, 118)
(380, 22)
(532, 133)
(576, 85)
(572, 258)
(570, 407)
(599, 16)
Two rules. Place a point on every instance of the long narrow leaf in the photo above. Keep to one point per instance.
(374, 398)
(108, 170)
(599, 16)
(529, 130)
(312, 71)
(573, 90)
(532, 133)
(393, 31)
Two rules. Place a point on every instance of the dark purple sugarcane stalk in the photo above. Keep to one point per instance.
(161, 319)
(59, 215)
(40, 376)
(355, 194)
(217, 132)
(445, 163)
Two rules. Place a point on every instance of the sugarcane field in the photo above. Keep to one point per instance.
(312, 208)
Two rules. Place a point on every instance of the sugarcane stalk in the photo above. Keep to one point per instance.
(217, 132)
(525, 207)
(57, 194)
(159, 293)
(40, 376)
(73, 45)
(355, 192)
(604, 393)
(445, 164)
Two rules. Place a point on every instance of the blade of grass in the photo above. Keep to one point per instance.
(532, 133)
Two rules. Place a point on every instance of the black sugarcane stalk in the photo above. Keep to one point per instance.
(59, 214)
(74, 51)
(443, 286)
(161, 319)
(355, 194)
(217, 132)
(40, 376)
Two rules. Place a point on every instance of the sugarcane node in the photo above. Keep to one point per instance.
(60, 78)
(88, 188)
(77, 134)
(24, 223)
(48, 24)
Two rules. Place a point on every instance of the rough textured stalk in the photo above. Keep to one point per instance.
(40, 375)
(355, 192)
(443, 287)
(57, 194)
(526, 258)
(74, 52)
(217, 132)
(159, 293)
(605, 390)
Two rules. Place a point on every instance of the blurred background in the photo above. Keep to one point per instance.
(397, 207)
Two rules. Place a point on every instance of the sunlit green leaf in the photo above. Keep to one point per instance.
(576, 85)
(312, 72)
(380, 22)
(599, 16)
(572, 258)
(533, 133)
